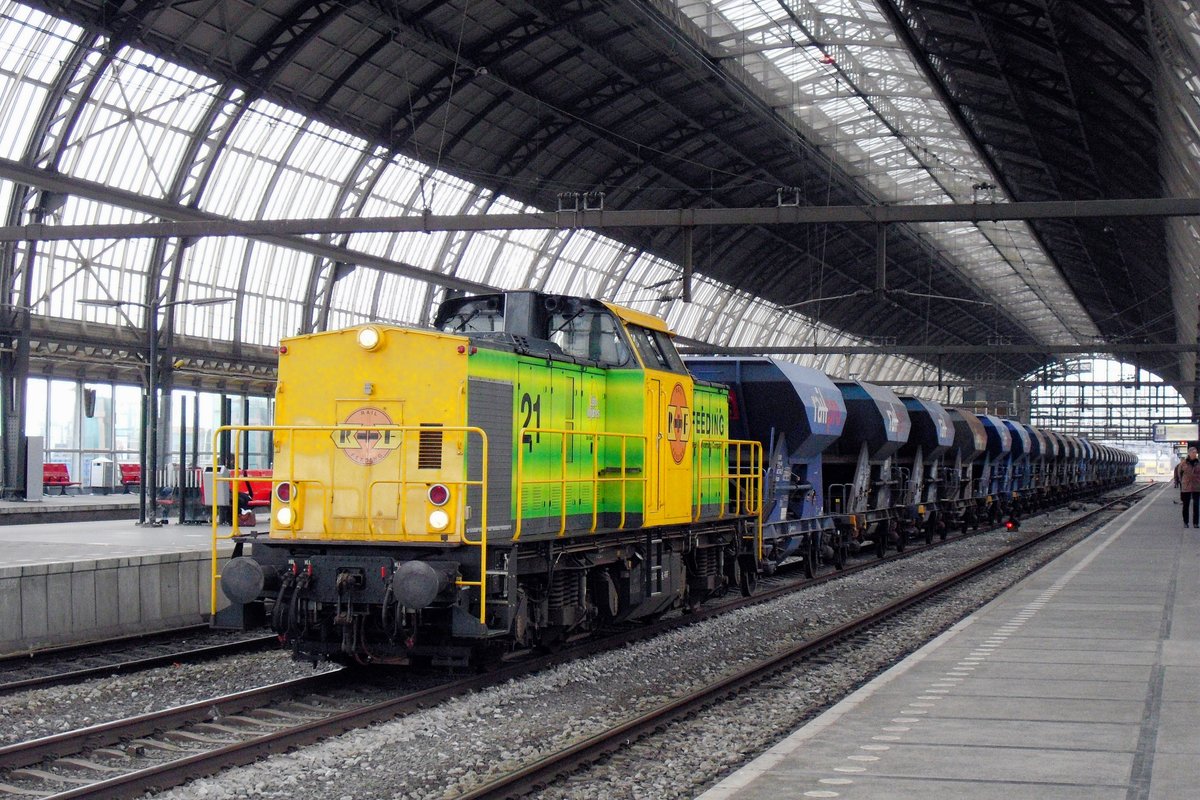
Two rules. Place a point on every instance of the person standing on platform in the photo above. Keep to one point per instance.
(1187, 481)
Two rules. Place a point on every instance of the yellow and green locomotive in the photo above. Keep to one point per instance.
(536, 466)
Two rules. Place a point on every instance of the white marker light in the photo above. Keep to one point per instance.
(438, 520)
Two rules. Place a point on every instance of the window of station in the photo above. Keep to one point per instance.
(657, 350)
(592, 335)
(483, 316)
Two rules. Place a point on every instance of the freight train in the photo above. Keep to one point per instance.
(537, 466)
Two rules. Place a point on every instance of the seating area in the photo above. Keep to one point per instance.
(57, 475)
(131, 475)
(258, 490)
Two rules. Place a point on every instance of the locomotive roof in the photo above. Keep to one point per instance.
(638, 318)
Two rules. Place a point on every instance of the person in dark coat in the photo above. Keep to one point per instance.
(1187, 481)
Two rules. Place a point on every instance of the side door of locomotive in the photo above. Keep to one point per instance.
(668, 410)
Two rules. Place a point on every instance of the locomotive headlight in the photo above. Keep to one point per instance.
(438, 519)
(284, 517)
(369, 338)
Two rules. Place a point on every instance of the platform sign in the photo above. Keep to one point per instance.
(1176, 432)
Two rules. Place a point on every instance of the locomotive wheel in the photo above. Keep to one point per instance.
(810, 555)
(748, 577)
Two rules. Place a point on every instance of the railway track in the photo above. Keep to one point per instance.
(166, 748)
(543, 773)
(76, 663)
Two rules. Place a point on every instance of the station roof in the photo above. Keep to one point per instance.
(275, 109)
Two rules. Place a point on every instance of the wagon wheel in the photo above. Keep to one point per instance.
(811, 550)
(840, 550)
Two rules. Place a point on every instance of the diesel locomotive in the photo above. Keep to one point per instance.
(537, 466)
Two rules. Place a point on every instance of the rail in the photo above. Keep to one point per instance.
(543, 770)
(284, 438)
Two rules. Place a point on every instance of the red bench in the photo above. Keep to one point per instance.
(131, 475)
(259, 491)
(57, 475)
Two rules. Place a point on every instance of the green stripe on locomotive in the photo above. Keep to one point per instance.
(548, 396)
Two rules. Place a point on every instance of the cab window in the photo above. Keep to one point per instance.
(656, 349)
(478, 317)
(591, 335)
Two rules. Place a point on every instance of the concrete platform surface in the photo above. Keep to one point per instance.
(67, 581)
(1082, 682)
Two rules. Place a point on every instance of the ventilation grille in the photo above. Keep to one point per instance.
(429, 447)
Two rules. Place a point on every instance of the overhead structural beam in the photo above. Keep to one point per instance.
(65, 184)
(189, 223)
(691, 347)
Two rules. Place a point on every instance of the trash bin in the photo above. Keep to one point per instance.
(101, 479)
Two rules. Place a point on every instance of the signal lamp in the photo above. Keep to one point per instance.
(438, 519)
(1012, 524)
(283, 491)
(284, 517)
(438, 494)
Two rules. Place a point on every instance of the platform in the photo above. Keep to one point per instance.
(1081, 682)
(63, 508)
(67, 581)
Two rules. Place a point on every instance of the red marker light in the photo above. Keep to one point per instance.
(283, 349)
(438, 494)
(461, 349)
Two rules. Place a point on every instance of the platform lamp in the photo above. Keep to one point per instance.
(149, 511)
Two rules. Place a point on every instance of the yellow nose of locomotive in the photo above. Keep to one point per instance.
(370, 443)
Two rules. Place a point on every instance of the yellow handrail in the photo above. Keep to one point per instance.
(291, 431)
(595, 479)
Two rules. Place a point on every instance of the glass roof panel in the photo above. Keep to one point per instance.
(278, 164)
(33, 48)
(135, 124)
(837, 64)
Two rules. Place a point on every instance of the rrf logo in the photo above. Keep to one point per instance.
(365, 446)
(679, 420)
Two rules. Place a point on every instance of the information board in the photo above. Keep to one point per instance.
(1176, 432)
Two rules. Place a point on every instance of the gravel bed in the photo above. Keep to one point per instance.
(444, 751)
(56, 709)
(704, 750)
